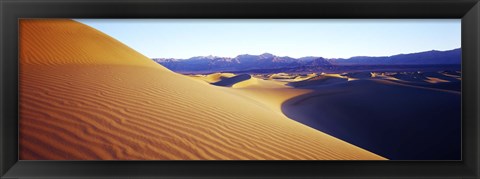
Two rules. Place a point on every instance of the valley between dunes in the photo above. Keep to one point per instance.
(87, 96)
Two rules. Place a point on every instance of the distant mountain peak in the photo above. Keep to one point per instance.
(418, 58)
(267, 55)
(244, 55)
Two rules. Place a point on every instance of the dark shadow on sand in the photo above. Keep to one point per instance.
(228, 82)
(394, 121)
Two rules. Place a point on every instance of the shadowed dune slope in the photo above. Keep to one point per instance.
(434, 80)
(86, 96)
(397, 121)
(228, 82)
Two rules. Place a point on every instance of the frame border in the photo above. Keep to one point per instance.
(467, 10)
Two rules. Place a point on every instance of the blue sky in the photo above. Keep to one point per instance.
(330, 38)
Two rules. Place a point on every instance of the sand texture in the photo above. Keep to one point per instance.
(86, 96)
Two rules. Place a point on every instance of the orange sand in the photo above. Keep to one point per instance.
(212, 78)
(86, 96)
(255, 82)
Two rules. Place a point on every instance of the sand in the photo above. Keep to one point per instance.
(402, 116)
(230, 81)
(267, 93)
(400, 120)
(426, 80)
(212, 78)
(86, 96)
(323, 79)
(255, 82)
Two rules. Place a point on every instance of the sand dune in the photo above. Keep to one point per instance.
(365, 108)
(453, 74)
(229, 81)
(324, 79)
(268, 93)
(86, 96)
(396, 120)
(212, 78)
(255, 82)
(435, 80)
(305, 77)
(281, 76)
(428, 80)
(272, 98)
(441, 77)
(72, 50)
(359, 75)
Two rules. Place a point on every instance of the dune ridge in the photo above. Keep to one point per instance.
(255, 82)
(86, 96)
(212, 78)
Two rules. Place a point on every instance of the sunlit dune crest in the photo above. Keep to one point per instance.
(306, 77)
(54, 45)
(255, 82)
(435, 80)
(214, 77)
(86, 96)
(286, 77)
(322, 79)
(458, 77)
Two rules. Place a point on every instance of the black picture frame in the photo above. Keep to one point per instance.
(466, 10)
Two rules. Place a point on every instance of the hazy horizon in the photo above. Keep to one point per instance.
(296, 38)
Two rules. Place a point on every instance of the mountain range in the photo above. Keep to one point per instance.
(311, 63)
